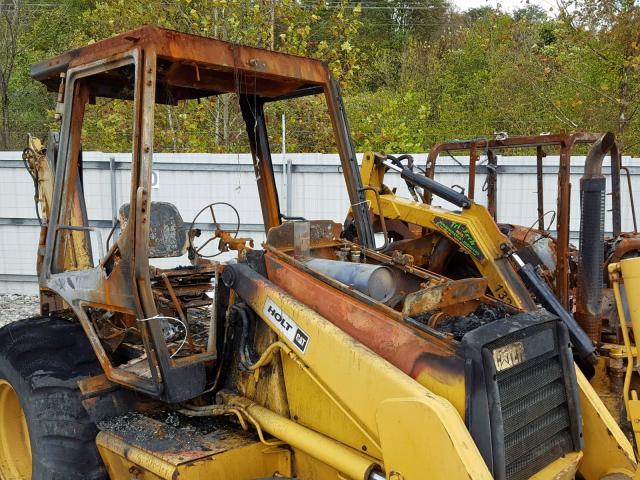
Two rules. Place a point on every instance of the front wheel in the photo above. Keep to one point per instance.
(45, 432)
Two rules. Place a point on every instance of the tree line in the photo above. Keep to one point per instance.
(413, 72)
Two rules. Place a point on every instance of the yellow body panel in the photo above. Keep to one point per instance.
(250, 461)
(606, 447)
(628, 272)
(417, 431)
(350, 462)
(360, 400)
(409, 431)
(310, 468)
(361, 383)
(452, 388)
(630, 269)
(322, 414)
(562, 469)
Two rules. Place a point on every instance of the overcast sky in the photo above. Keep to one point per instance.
(508, 5)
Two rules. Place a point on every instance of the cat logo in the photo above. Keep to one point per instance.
(285, 324)
(508, 356)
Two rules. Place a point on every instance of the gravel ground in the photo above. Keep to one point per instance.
(15, 307)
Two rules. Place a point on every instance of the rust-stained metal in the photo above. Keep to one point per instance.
(322, 233)
(104, 399)
(381, 219)
(473, 160)
(121, 300)
(180, 311)
(289, 71)
(625, 245)
(229, 242)
(591, 257)
(540, 154)
(421, 249)
(252, 108)
(492, 182)
(147, 66)
(564, 267)
(138, 446)
(557, 140)
(382, 329)
(631, 200)
(446, 295)
(566, 144)
(301, 239)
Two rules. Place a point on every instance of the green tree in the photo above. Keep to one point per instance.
(31, 108)
(12, 24)
(313, 28)
(413, 73)
(599, 53)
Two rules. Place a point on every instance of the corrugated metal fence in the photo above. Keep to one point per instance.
(310, 186)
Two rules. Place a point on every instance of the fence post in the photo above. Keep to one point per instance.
(289, 186)
(285, 177)
(114, 200)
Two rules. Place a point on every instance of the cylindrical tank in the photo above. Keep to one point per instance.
(376, 281)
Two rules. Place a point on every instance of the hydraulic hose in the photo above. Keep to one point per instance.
(583, 345)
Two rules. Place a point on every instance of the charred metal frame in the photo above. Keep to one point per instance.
(566, 144)
(200, 67)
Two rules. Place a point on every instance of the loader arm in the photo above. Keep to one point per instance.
(40, 165)
(472, 229)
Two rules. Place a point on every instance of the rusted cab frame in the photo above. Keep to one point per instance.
(169, 66)
(566, 143)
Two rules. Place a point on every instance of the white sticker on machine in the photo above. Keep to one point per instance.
(286, 325)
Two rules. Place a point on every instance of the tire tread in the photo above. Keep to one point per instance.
(63, 436)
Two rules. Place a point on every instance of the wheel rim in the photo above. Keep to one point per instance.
(15, 446)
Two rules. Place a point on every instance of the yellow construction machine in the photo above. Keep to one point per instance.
(320, 358)
(465, 243)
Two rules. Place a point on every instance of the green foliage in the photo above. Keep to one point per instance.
(413, 73)
(389, 120)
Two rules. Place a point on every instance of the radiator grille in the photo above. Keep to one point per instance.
(535, 412)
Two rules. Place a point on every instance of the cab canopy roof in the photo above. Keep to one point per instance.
(189, 66)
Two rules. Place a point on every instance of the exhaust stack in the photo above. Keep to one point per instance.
(591, 259)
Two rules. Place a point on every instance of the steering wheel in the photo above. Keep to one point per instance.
(197, 249)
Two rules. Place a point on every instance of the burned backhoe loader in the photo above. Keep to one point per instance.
(321, 359)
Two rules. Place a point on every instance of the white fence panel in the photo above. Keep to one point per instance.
(315, 190)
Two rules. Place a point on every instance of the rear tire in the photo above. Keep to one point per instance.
(42, 359)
